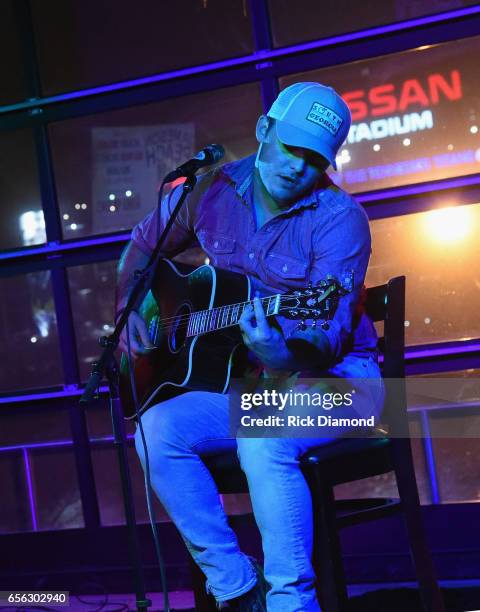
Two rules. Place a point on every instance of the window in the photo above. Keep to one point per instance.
(439, 253)
(29, 347)
(89, 43)
(108, 167)
(21, 215)
(311, 19)
(415, 115)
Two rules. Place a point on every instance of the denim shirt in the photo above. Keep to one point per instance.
(326, 232)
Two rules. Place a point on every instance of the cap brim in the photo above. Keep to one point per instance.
(296, 137)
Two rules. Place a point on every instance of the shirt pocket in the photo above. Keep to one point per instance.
(218, 247)
(288, 270)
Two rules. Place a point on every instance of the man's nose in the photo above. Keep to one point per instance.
(297, 164)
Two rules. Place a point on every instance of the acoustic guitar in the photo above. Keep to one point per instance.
(192, 316)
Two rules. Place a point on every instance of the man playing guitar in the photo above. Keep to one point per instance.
(278, 219)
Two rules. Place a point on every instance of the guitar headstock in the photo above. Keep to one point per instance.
(318, 302)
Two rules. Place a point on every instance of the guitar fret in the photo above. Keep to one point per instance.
(269, 306)
(204, 321)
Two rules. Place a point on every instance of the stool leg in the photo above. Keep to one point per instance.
(420, 551)
(327, 559)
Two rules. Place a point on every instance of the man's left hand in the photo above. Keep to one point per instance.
(267, 342)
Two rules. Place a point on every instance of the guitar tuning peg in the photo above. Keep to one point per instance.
(314, 324)
(302, 326)
(325, 325)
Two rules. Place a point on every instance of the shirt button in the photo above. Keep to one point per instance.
(251, 255)
(215, 244)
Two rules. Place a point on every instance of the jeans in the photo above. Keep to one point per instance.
(179, 430)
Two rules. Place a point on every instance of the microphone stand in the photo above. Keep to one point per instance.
(107, 367)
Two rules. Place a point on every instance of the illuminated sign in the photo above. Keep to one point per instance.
(415, 115)
(387, 99)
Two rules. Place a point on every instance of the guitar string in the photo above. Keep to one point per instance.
(283, 298)
(184, 320)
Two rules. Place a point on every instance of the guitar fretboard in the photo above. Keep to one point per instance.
(203, 321)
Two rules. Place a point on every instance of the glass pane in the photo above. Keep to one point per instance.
(312, 19)
(15, 508)
(29, 347)
(108, 166)
(92, 292)
(21, 216)
(384, 485)
(99, 421)
(109, 490)
(38, 423)
(55, 486)
(11, 72)
(134, 39)
(439, 253)
(457, 459)
(416, 115)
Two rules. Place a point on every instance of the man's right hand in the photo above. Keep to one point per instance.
(139, 341)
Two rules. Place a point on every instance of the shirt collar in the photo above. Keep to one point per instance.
(241, 174)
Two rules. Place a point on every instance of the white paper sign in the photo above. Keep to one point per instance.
(129, 164)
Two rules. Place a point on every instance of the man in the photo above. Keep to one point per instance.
(279, 219)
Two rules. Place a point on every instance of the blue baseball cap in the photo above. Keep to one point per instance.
(311, 116)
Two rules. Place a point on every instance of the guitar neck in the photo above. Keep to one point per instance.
(212, 319)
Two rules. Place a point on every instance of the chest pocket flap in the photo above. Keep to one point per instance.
(216, 243)
(286, 267)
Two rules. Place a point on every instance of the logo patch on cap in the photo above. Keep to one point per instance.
(326, 117)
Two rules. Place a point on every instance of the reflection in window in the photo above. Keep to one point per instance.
(29, 348)
(457, 456)
(92, 293)
(312, 20)
(55, 489)
(21, 215)
(439, 253)
(108, 167)
(415, 115)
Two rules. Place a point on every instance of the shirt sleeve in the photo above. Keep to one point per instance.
(181, 235)
(340, 247)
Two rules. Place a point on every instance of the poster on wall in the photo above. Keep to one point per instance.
(129, 164)
(415, 115)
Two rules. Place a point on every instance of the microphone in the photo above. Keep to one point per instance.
(211, 154)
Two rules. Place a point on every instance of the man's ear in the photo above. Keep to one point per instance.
(262, 128)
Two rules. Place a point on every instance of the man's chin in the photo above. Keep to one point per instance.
(285, 198)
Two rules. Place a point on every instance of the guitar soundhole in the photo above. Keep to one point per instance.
(178, 329)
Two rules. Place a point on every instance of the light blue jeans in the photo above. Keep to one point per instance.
(177, 432)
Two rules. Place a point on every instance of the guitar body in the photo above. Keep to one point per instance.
(180, 363)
